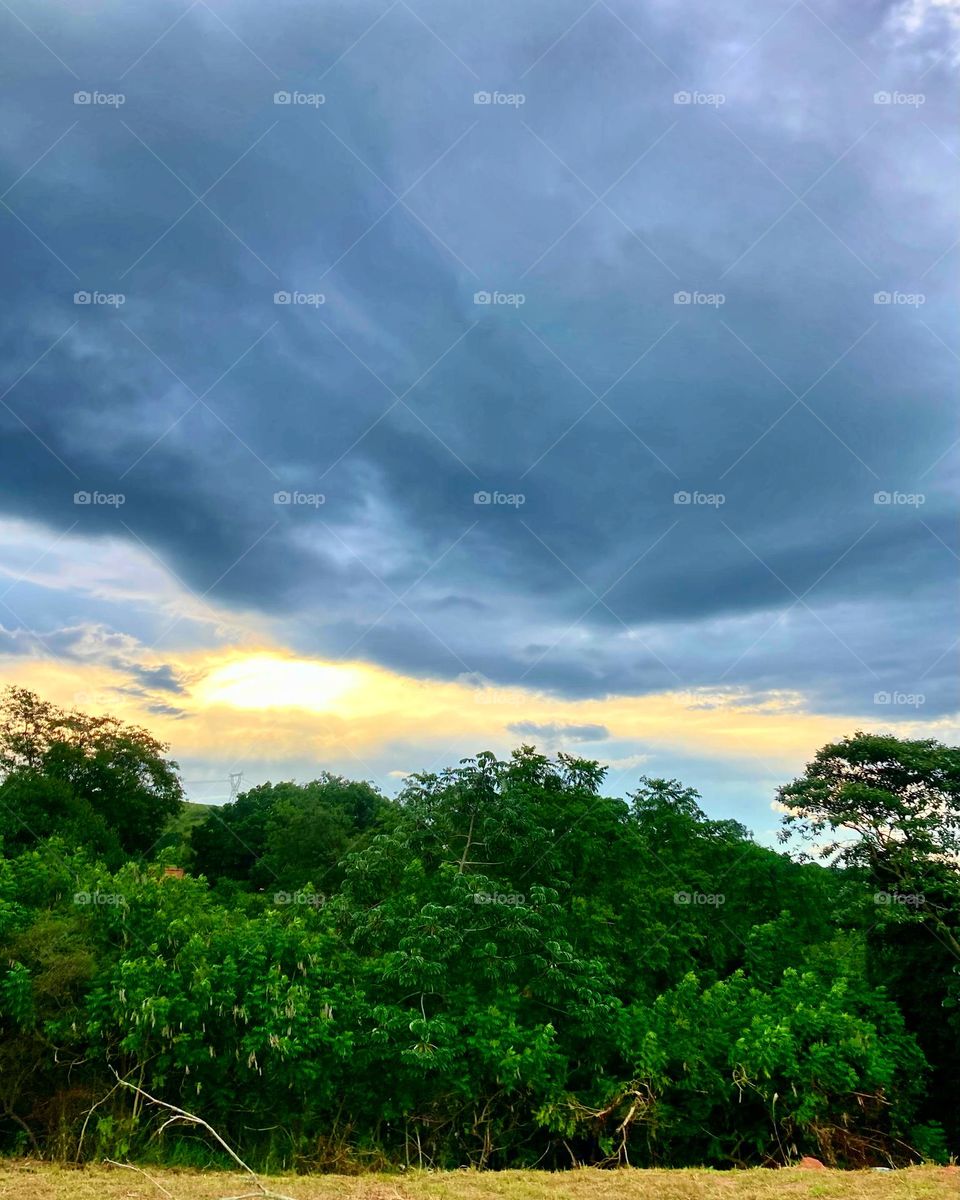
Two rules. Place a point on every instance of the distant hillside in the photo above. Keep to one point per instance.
(179, 828)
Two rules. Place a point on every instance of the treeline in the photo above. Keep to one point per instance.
(502, 967)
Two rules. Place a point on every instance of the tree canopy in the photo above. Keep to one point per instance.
(502, 966)
(95, 780)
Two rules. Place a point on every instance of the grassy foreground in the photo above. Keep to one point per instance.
(41, 1181)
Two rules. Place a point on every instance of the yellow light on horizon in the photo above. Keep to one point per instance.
(269, 681)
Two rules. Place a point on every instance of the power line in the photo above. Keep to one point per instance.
(233, 780)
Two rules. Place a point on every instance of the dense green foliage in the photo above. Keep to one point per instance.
(286, 834)
(93, 780)
(503, 966)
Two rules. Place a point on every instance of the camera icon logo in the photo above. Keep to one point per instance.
(682, 297)
(81, 497)
(482, 98)
(81, 297)
(881, 697)
(282, 97)
(682, 97)
(681, 497)
(281, 497)
(281, 297)
(482, 297)
(82, 97)
(882, 297)
(881, 97)
(881, 497)
(481, 497)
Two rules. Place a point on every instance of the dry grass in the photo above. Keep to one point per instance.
(22, 1180)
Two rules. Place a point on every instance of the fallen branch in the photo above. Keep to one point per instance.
(181, 1114)
(88, 1115)
(131, 1167)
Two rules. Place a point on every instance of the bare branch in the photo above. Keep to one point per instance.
(181, 1114)
(131, 1167)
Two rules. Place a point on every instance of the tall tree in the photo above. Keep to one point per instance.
(888, 808)
(95, 779)
(286, 835)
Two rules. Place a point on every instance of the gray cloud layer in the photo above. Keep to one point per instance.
(598, 399)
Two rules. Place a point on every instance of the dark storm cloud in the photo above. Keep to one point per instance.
(162, 678)
(94, 644)
(680, 494)
(166, 710)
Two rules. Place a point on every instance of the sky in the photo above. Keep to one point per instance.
(383, 382)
